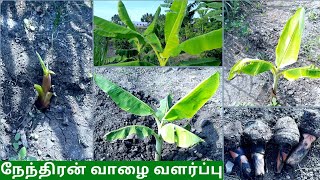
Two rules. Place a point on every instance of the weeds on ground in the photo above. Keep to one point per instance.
(22, 154)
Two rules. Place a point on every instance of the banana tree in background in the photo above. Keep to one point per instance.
(172, 48)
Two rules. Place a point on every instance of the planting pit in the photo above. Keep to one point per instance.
(64, 41)
(151, 85)
(266, 20)
(308, 168)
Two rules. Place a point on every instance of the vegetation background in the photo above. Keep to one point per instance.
(199, 20)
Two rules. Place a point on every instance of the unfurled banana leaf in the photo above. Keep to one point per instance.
(173, 23)
(123, 133)
(109, 29)
(205, 42)
(152, 26)
(217, 15)
(100, 49)
(189, 105)
(154, 42)
(174, 134)
(302, 72)
(132, 63)
(214, 5)
(251, 67)
(165, 105)
(124, 16)
(125, 100)
(116, 59)
(289, 43)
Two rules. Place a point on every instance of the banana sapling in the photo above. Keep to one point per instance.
(173, 47)
(287, 52)
(167, 113)
(22, 154)
(44, 94)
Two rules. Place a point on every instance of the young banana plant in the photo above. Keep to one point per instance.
(173, 47)
(164, 116)
(44, 94)
(287, 52)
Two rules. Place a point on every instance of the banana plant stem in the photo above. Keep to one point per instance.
(275, 85)
(159, 143)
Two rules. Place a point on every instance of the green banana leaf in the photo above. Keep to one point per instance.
(108, 29)
(289, 43)
(251, 67)
(127, 52)
(165, 105)
(132, 63)
(205, 42)
(123, 14)
(216, 14)
(154, 42)
(302, 72)
(214, 5)
(174, 134)
(172, 27)
(201, 62)
(189, 105)
(125, 100)
(152, 26)
(123, 133)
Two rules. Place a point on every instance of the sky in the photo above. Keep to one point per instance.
(106, 9)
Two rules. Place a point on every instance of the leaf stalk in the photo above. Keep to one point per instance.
(159, 143)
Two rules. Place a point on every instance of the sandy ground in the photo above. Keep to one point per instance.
(266, 21)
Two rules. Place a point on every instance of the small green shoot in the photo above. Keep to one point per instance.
(274, 102)
(44, 94)
(164, 116)
(287, 52)
(22, 153)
